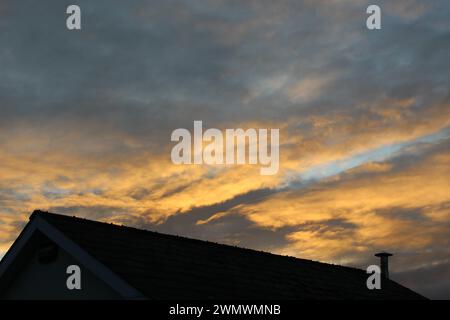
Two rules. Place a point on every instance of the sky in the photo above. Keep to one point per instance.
(364, 116)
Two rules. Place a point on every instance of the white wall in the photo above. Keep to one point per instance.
(48, 281)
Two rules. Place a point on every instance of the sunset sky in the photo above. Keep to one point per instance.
(364, 116)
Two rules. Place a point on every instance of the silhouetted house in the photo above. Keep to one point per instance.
(119, 262)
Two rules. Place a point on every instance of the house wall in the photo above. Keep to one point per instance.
(35, 280)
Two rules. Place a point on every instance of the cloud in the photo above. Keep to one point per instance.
(403, 207)
(432, 281)
(86, 117)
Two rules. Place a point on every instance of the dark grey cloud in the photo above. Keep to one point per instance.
(431, 281)
(148, 67)
(193, 215)
(233, 229)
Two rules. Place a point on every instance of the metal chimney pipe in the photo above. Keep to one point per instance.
(384, 263)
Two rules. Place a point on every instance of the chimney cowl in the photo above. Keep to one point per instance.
(384, 262)
(383, 254)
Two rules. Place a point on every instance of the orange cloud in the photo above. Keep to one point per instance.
(78, 170)
(368, 200)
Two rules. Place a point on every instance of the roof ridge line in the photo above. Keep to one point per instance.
(134, 229)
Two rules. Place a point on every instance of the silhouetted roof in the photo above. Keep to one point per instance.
(171, 267)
